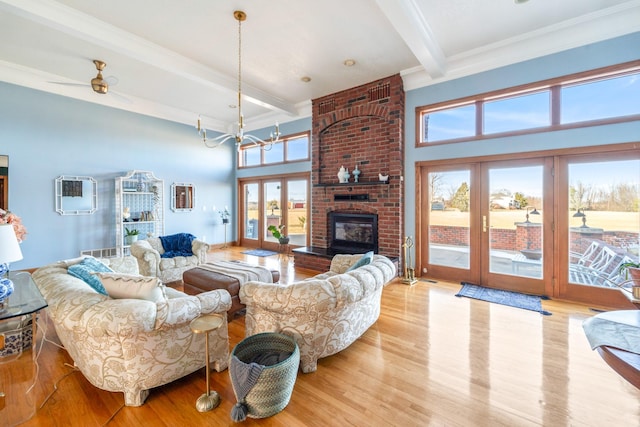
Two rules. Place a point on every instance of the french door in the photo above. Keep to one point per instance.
(282, 200)
(487, 223)
(560, 225)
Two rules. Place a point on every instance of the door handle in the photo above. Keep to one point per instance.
(484, 223)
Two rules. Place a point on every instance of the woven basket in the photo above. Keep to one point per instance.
(272, 391)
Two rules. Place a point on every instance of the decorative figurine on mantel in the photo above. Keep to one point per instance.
(356, 174)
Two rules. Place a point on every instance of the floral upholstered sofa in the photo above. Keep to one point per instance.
(326, 313)
(131, 345)
(153, 260)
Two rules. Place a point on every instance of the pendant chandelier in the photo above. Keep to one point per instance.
(240, 137)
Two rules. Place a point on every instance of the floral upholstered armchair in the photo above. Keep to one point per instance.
(130, 345)
(168, 264)
(326, 313)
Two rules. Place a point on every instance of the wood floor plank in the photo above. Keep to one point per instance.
(430, 359)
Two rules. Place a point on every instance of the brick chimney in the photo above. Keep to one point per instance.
(361, 126)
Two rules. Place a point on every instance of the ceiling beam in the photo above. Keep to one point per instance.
(408, 20)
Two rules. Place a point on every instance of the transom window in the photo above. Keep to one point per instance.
(600, 96)
(292, 148)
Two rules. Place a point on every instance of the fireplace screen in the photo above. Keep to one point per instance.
(353, 233)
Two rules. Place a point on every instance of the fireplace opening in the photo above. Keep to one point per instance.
(353, 233)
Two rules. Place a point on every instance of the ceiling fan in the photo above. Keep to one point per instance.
(100, 84)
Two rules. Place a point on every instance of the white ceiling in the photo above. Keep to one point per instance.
(176, 59)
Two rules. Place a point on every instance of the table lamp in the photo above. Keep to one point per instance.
(9, 252)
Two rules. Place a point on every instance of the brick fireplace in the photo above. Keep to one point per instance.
(361, 126)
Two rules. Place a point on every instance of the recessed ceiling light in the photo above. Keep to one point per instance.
(520, 1)
(305, 79)
(349, 62)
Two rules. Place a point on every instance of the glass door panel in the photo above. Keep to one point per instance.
(272, 208)
(516, 221)
(297, 211)
(250, 210)
(449, 219)
(603, 221)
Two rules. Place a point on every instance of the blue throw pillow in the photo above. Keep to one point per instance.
(84, 271)
(366, 259)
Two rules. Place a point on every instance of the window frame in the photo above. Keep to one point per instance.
(554, 87)
(285, 144)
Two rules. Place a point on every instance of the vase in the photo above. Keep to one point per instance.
(342, 175)
(356, 174)
(634, 274)
(6, 285)
(6, 289)
(128, 240)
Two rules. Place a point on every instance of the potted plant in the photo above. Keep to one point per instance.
(225, 215)
(130, 236)
(278, 233)
(632, 269)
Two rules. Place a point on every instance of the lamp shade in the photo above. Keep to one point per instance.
(9, 247)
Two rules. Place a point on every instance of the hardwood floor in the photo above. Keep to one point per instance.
(431, 359)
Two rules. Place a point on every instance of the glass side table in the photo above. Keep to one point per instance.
(203, 325)
(17, 349)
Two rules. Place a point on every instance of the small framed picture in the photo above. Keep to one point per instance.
(71, 188)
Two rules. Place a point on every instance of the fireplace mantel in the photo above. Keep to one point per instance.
(351, 184)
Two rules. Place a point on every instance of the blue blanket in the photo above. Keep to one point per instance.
(177, 245)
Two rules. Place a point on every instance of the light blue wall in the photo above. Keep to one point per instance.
(611, 52)
(47, 136)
